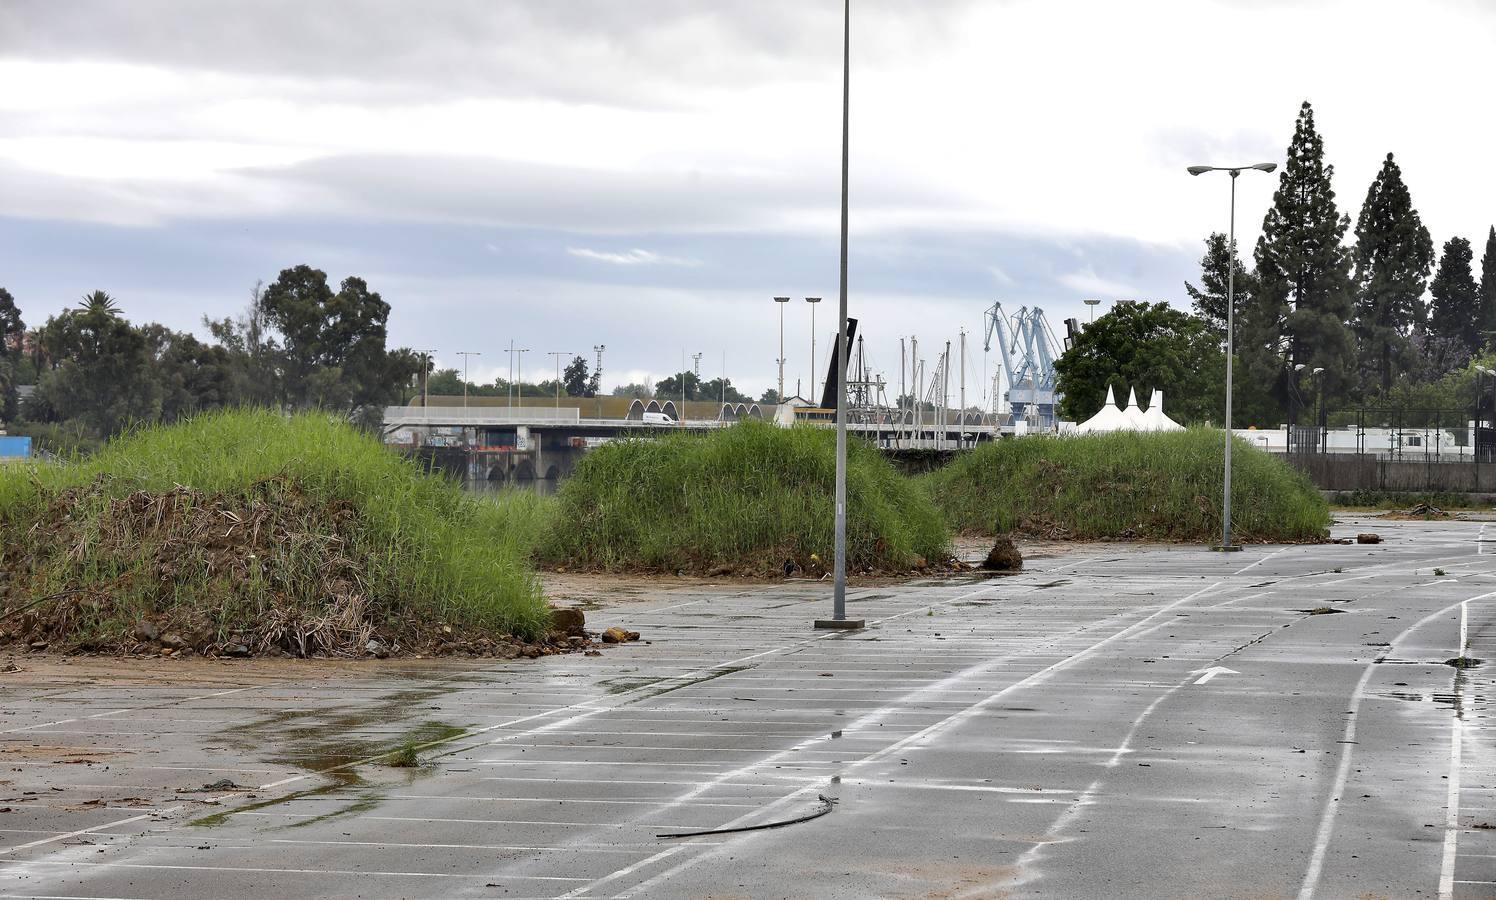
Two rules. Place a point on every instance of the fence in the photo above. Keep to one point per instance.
(1379, 449)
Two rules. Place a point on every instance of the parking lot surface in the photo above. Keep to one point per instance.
(1115, 721)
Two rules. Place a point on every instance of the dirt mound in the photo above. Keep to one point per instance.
(1419, 512)
(272, 570)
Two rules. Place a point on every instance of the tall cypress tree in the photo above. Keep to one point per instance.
(1209, 299)
(1305, 298)
(1454, 315)
(1488, 290)
(1393, 255)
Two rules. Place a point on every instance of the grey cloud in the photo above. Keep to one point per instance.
(628, 53)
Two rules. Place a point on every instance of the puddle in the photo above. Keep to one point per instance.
(1463, 662)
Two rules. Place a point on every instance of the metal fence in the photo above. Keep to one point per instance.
(1389, 449)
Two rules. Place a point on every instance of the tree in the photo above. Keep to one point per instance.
(1455, 311)
(714, 390)
(102, 373)
(192, 376)
(12, 329)
(769, 396)
(575, 379)
(1488, 289)
(1209, 300)
(1144, 346)
(670, 388)
(1393, 255)
(1304, 302)
(635, 390)
(101, 303)
(332, 344)
(255, 357)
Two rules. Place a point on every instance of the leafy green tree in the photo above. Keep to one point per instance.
(1455, 310)
(634, 390)
(714, 390)
(1209, 300)
(1303, 308)
(333, 350)
(1144, 346)
(102, 373)
(575, 380)
(770, 395)
(192, 376)
(12, 329)
(1488, 290)
(101, 303)
(254, 354)
(670, 388)
(1393, 255)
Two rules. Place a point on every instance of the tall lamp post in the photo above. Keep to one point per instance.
(558, 354)
(781, 301)
(839, 597)
(1234, 171)
(812, 301)
(597, 375)
(465, 354)
(1093, 303)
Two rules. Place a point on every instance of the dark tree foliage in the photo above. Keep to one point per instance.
(253, 351)
(1488, 290)
(1454, 314)
(670, 388)
(1209, 300)
(716, 390)
(333, 344)
(575, 379)
(102, 373)
(1393, 255)
(634, 390)
(12, 332)
(193, 376)
(12, 329)
(1147, 347)
(1304, 304)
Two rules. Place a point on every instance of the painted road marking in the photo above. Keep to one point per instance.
(1212, 672)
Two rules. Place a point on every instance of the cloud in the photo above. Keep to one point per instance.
(635, 257)
(1087, 282)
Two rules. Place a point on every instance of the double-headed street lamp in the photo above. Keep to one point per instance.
(812, 301)
(781, 301)
(1230, 333)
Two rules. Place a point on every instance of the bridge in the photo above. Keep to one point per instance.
(493, 446)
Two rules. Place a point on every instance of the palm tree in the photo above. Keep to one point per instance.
(99, 302)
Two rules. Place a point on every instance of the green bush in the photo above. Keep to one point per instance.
(248, 526)
(746, 498)
(1126, 486)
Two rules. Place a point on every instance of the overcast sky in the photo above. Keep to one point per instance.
(648, 174)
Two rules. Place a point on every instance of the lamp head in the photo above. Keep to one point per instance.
(1265, 167)
(1317, 370)
(781, 299)
(1199, 170)
(1299, 367)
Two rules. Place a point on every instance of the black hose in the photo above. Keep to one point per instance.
(826, 804)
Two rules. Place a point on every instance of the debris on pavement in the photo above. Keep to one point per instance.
(1004, 556)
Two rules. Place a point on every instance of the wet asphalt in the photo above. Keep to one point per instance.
(1114, 722)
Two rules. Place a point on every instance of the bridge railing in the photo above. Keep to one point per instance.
(478, 415)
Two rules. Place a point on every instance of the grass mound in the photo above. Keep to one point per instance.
(244, 531)
(1127, 486)
(746, 499)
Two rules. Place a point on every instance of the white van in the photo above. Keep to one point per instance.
(655, 418)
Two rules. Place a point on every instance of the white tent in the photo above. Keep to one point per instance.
(1109, 418)
(1154, 419)
(1133, 414)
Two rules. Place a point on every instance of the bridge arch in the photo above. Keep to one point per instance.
(524, 471)
(754, 412)
(654, 406)
(670, 410)
(636, 410)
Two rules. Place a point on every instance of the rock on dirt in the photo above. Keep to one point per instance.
(1004, 556)
(1368, 537)
(568, 621)
(616, 635)
(146, 632)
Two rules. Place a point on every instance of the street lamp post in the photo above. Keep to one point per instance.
(812, 301)
(1234, 171)
(597, 375)
(426, 378)
(839, 596)
(465, 354)
(558, 354)
(1093, 303)
(781, 301)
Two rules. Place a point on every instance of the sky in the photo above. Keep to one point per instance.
(648, 174)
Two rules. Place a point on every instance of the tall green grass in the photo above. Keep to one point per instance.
(1126, 485)
(412, 547)
(746, 498)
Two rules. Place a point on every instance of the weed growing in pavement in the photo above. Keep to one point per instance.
(406, 757)
(750, 499)
(1126, 486)
(252, 527)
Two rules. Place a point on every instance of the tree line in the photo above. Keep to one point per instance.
(1383, 320)
(300, 344)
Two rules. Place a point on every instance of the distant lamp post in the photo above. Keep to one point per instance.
(1093, 304)
(1234, 171)
(597, 375)
(781, 301)
(465, 354)
(558, 354)
(812, 301)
